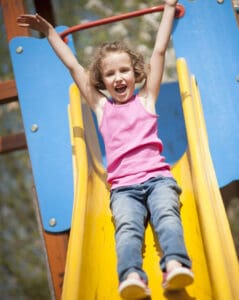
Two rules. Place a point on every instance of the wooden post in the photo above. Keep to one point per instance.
(11, 10)
(45, 9)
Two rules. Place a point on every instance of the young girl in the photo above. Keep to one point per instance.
(142, 186)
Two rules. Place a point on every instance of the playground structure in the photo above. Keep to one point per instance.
(206, 125)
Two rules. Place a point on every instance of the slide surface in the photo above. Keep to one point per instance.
(91, 261)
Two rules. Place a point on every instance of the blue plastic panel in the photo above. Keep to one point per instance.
(208, 37)
(43, 87)
(171, 124)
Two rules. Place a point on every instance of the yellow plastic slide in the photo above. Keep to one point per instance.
(91, 260)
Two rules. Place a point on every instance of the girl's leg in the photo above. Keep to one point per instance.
(164, 207)
(130, 214)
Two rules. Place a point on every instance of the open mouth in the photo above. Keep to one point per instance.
(121, 89)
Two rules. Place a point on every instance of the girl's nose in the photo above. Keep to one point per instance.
(118, 77)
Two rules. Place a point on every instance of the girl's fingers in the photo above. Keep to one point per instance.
(26, 18)
(27, 21)
(23, 25)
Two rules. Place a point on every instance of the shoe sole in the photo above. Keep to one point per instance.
(178, 279)
(133, 289)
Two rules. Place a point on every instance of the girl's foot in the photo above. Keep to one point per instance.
(176, 277)
(133, 288)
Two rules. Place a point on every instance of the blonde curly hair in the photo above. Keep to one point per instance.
(117, 46)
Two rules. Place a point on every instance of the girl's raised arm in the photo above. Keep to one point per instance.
(158, 56)
(80, 76)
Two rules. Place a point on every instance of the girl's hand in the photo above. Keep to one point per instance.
(171, 2)
(35, 22)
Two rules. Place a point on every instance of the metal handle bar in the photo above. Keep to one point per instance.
(179, 13)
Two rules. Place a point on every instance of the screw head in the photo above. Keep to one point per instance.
(52, 222)
(19, 49)
(34, 128)
(220, 1)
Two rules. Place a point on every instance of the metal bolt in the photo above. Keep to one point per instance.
(52, 222)
(19, 50)
(220, 1)
(34, 128)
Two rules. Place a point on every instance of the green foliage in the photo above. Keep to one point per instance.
(23, 269)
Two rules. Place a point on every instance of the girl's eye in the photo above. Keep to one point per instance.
(109, 74)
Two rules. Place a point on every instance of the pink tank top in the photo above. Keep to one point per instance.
(133, 149)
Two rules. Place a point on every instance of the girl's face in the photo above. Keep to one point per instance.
(118, 76)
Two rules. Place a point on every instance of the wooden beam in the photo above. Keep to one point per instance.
(11, 9)
(8, 91)
(56, 247)
(13, 142)
(45, 9)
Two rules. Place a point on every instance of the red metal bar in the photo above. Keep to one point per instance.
(179, 13)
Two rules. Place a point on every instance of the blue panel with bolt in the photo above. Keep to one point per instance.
(43, 96)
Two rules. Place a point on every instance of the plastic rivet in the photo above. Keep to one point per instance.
(19, 50)
(52, 222)
(34, 128)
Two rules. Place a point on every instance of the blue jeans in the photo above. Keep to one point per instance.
(156, 200)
